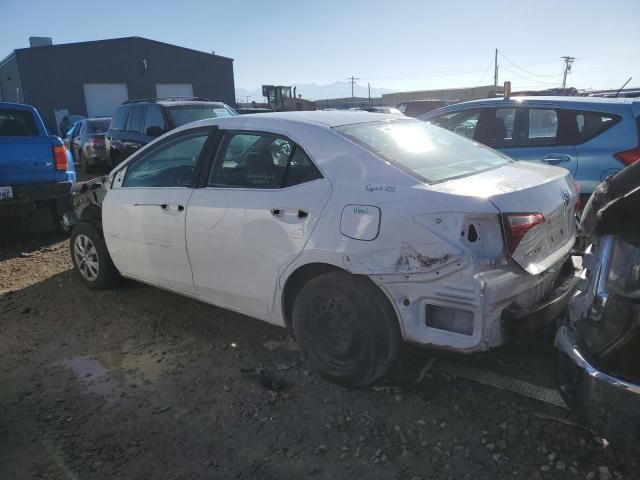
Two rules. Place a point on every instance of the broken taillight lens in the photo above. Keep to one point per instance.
(60, 157)
(516, 225)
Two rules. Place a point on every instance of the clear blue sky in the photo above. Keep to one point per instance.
(399, 44)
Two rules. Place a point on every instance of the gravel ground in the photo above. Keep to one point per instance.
(143, 384)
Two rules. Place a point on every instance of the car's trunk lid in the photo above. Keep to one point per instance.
(523, 187)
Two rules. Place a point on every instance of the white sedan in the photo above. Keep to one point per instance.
(354, 230)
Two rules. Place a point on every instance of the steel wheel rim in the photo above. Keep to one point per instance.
(86, 257)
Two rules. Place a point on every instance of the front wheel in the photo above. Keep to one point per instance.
(91, 258)
(346, 328)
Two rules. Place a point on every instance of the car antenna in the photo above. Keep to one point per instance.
(620, 89)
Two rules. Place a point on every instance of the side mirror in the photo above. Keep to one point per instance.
(154, 131)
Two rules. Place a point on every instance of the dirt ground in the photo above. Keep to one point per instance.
(138, 383)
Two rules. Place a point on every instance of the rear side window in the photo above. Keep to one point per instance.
(592, 124)
(262, 161)
(543, 127)
(17, 123)
(120, 118)
(429, 153)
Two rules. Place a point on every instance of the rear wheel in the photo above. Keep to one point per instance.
(91, 258)
(346, 328)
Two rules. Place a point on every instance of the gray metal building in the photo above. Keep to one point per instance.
(92, 78)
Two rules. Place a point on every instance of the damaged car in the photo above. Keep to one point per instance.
(599, 338)
(354, 230)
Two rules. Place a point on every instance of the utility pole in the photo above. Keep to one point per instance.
(369, 89)
(495, 72)
(248, 97)
(568, 61)
(352, 81)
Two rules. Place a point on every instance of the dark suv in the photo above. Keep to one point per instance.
(137, 122)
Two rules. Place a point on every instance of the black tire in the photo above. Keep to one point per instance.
(91, 259)
(346, 328)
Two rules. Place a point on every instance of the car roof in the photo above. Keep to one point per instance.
(542, 100)
(19, 106)
(332, 118)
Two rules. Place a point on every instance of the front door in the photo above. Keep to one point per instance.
(261, 201)
(144, 213)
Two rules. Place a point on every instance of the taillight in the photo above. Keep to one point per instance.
(516, 225)
(60, 157)
(97, 142)
(628, 156)
(578, 201)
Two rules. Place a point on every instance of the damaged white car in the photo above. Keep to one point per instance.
(354, 230)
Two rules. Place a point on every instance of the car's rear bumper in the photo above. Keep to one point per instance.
(25, 196)
(543, 314)
(470, 307)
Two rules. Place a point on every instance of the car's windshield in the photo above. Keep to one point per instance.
(99, 125)
(429, 152)
(191, 113)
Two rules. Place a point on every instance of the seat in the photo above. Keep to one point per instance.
(491, 131)
(261, 172)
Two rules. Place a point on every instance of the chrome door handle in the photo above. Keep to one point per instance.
(555, 158)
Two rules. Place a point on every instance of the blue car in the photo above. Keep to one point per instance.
(36, 170)
(593, 138)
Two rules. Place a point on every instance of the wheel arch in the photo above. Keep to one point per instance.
(304, 273)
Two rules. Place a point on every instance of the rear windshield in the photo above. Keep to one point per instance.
(191, 113)
(99, 125)
(430, 153)
(17, 123)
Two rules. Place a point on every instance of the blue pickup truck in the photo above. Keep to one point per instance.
(36, 170)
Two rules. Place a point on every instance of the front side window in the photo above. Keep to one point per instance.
(191, 113)
(261, 161)
(154, 124)
(172, 164)
(463, 123)
(120, 118)
(134, 123)
(496, 126)
(426, 151)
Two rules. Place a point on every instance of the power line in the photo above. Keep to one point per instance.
(527, 71)
(485, 72)
(528, 79)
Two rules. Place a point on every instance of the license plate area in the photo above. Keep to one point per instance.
(6, 193)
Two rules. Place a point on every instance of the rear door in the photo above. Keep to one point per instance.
(258, 207)
(540, 134)
(144, 212)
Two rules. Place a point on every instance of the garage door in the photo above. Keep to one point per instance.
(174, 90)
(103, 98)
